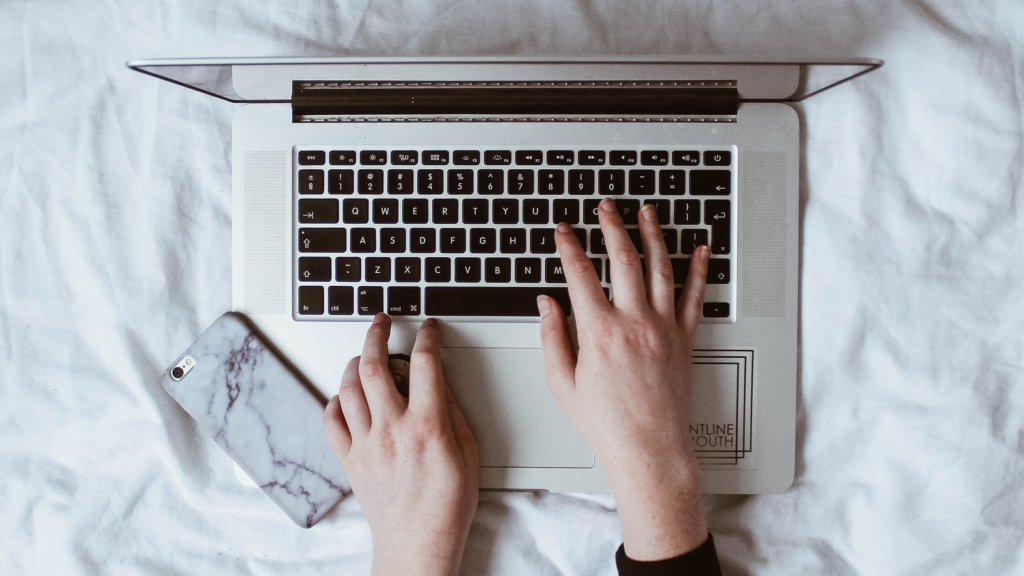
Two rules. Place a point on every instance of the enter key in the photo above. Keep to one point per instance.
(718, 215)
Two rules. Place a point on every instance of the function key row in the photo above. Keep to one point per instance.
(522, 157)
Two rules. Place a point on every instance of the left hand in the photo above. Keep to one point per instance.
(413, 464)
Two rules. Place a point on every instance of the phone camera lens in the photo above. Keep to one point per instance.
(177, 373)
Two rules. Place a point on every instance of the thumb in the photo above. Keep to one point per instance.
(559, 355)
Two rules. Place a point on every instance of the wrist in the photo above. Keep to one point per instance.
(418, 553)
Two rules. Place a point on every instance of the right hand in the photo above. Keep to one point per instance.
(627, 390)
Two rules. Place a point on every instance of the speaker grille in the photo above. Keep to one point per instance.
(763, 235)
(265, 181)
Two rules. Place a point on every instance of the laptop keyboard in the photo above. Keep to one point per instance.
(470, 233)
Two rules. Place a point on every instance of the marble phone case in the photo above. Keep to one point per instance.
(264, 414)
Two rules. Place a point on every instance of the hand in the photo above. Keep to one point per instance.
(627, 390)
(413, 464)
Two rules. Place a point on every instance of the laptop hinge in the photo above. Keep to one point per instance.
(678, 100)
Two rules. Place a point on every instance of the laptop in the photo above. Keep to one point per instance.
(431, 188)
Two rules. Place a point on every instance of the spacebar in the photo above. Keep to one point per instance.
(489, 301)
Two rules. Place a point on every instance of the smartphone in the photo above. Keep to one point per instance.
(264, 413)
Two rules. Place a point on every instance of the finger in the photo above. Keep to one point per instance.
(660, 282)
(460, 429)
(426, 381)
(559, 354)
(585, 290)
(338, 435)
(353, 401)
(378, 385)
(627, 279)
(689, 308)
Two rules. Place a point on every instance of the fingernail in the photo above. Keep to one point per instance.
(543, 305)
(607, 205)
(564, 228)
(705, 251)
(650, 214)
(379, 317)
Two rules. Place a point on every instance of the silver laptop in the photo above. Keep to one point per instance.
(431, 187)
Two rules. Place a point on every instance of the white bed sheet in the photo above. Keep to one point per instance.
(114, 255)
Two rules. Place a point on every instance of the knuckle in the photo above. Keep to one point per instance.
(577, 265)
(370, 370)
(661, 270)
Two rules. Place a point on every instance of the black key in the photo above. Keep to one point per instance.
(370, 157)
(581, 236)
(460, 181)
(506, 211)
(321, 239)
(663, 208)
(529, 157)
(467, 269)
(629, 210)
(690, 239)
(400, 181)
(483, 240)
(513, 241)
(347, 269)
(654, 158)
(311, 181)
(414, 211)
(498, 270)
(622, 158)
(371, 300)
(716, 309)
(364, 240)
(497, 157)
(718, 213)
(687, 212)
(435, 157)
(591, 158)
(611, 181)
(528, 270)
(581, 181)
(340, 301)
(669, 236)
(466, 157)
(597, 266)
(430, 181)
(542, 241)
(673, 182)
(520, 181)
(567, 211)
(717, 158)
(453, 240)
(680, 268)
(356, 211)
(492, 181)
(422, 240)
(553, 273)
(489, 300)
(474, 211)
(718, 271)
(404, 300)
(438, 269)
(392, 240)
(371, 182)
(634, 237)
(641, 182)
(535, 211)
(597, 242)
(343, 157)
(385, 211)
(710, 182)
(313, 158)
(378, 269)
(311, 299)
(314, 269)
(446, 211)
(560, 157)
(340, 181)
(551, 181)
(407, 269)
(685, 158)
(404, 157)
(590, 208)
(318, 211)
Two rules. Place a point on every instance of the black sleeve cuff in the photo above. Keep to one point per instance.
(701, 561)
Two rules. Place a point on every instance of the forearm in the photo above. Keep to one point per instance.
(440, 555)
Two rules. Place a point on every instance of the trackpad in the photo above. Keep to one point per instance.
(505, 399)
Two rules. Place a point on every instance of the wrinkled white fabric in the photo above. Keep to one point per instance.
(114, 255)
